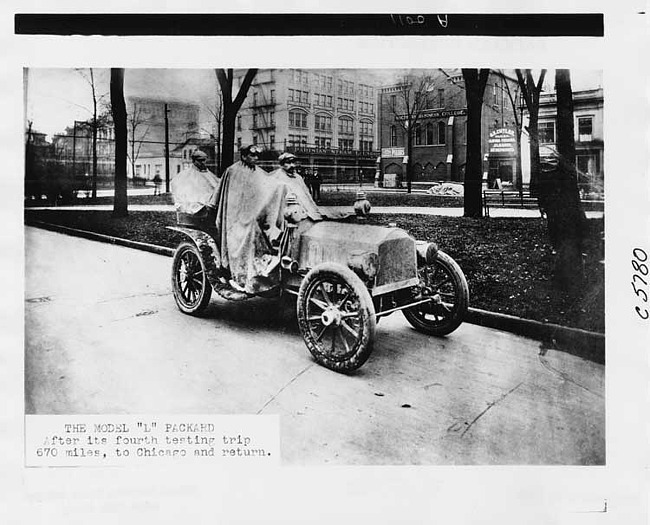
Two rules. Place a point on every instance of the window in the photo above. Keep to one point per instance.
(254, 120)
(298, 140)
(255, 98)
(297, 119)
(346, 144)
(585, 129)
(546, 132)
(323, 123)
(272, 118)
(178, 168)
(238, 122)
(138, 169)
(365, 145)
(254, 139)
(418, 135)
(346, 126)
(291, 95)
(429, 132)
(238, 142)
(441, 98)
(323, 142)
(441, 133)
(393, 136)
(272, 140)
(393, 100)
(339, 87)
(273, 96)
(366, 128)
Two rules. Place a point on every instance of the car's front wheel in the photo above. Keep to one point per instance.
(336, 317)
(444, 283)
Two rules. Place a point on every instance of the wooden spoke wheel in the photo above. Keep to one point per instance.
(336, 317)
(444, 283)
(190, 284)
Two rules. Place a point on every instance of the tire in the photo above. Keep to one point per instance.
(444, 281)
(336, 316)
(190, 284)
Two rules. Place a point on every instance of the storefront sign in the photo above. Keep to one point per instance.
(436, 113)
(502, 142)
(392, 152)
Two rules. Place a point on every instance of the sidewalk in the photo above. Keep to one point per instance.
(414, 210)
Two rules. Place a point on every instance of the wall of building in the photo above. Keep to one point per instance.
(435, 159)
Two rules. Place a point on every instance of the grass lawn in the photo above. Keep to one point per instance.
(508, 262)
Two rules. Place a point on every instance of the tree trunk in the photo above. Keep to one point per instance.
(409, 159)
(475, 82)
(230, 109)
(518, 175)
(118, 106)
(566, 218)
(535, 164)
(92, 84)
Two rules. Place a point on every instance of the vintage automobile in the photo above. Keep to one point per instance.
(346, 277)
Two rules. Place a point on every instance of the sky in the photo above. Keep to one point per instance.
(55, 98)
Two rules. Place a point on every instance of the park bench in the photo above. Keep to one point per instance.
(507, 199)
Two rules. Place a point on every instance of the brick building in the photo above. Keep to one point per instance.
(440, 134)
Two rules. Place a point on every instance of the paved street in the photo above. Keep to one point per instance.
(104, 336)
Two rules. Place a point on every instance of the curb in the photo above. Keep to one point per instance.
(581, 343)
(160, 250)
(574, 341)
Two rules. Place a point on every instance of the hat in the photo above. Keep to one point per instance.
(250, 150)
(198, 154)
(286, 157)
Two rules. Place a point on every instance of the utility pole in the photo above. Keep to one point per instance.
(166, 150)
(74, 150)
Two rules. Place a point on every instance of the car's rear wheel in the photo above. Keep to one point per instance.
(190, 284)
(444, 283)
(336, 317)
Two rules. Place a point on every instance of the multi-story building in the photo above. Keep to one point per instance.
(440, 133)
(146, 135)
(327, 117)
(588, 130)
(74, 149)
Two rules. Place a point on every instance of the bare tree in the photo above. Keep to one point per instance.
(134, 121)
(414, 95)
(231, 107)
(531, 91)
(94, 124)
(118, 105)
(475, 81)
(215, 133)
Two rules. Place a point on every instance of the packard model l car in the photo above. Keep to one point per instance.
(346, 276)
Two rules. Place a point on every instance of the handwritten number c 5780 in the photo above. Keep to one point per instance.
(639, 291)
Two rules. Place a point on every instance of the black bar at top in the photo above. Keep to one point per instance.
(533, 25)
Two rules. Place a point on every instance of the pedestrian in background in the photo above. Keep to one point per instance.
(315, 186)
(157, 181)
